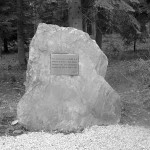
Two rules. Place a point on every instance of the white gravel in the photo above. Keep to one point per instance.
(114, 137)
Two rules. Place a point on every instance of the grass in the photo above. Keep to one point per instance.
(132, 82)
(129, 77)
(11, 90)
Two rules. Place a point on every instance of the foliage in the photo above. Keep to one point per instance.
(113, 4)
(126, 17)
(126, 25)
(112, 14)
(133, 26)
(114, 49)
(7, 19)
(49, 11)
(118, 15)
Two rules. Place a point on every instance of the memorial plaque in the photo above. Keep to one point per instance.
(65, 64)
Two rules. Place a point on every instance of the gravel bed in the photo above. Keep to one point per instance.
(114, 137)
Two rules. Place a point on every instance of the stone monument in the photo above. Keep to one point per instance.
(65, 85)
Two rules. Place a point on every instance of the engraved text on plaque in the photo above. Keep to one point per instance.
(65, 64)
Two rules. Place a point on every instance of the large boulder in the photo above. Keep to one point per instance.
(66, 102)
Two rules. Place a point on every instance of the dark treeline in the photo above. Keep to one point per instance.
(19, 20)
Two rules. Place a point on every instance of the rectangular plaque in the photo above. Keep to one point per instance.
(65, 64)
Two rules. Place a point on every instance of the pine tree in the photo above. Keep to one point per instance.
(20, 34)
(7, 17)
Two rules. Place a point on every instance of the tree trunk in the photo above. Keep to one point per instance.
(84, 25)
(1, 47)
(20, 34)
(75, 14)
(5, 45)
(135, 44)
(93, 30)
(98, 36)
(37, 19)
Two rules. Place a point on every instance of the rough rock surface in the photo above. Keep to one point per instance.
(66, 103)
